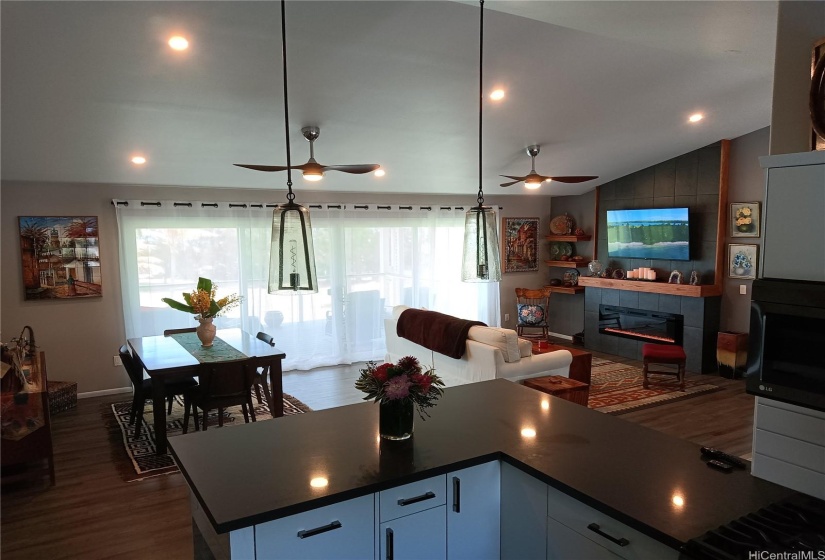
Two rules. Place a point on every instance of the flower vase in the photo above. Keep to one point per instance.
(206, 331)
(395, 419)
(740, 271)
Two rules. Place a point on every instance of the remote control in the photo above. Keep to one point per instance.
(719, 465)
(722, 456)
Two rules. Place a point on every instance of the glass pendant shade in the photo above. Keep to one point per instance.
(481, 261)
(292, 257)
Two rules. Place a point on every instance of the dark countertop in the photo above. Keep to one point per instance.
(261, 471)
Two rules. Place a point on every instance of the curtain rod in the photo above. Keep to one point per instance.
(328, 206)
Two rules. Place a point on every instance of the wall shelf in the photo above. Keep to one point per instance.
(685, 290)
(568, 264)
(568, 238)
(566, 289)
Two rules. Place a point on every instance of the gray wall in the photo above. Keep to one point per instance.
(80, 337)
(567, 311)
(746, 184)
(799, 25)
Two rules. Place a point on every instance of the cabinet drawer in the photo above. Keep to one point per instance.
(412, 497)
(794, 477)
(343, 530)
(564, 543)
(603, 529)
(790, 450)
(806, 426)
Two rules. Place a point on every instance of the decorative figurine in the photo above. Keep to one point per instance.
(675, 277)
(694, 278)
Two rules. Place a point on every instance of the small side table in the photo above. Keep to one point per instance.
(582, 360)
(562, 387)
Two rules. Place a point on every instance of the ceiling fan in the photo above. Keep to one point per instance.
(312, 170)
(534, 180)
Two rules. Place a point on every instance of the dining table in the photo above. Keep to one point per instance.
(165, 359)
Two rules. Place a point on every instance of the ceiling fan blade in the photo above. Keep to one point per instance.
(573, 179)
(510, 183)
(358, 169)
(263, 167)
(517, 179)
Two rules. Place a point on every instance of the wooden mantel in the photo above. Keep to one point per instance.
(685, 290)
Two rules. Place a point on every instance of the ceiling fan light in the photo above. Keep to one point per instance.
(313, 175)
(532, 185)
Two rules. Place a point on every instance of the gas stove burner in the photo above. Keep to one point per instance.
(797, 524)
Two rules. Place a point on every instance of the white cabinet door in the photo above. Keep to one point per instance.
(343, 530)
(565, 544)
(473, 512)
(420, 536)
(523, 515)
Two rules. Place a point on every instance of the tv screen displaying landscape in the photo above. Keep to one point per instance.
(654, 233)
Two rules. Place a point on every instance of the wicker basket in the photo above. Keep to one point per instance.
(62, 396)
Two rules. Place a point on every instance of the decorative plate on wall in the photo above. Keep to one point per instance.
(571, 277)
(559, 249)
(562, 225)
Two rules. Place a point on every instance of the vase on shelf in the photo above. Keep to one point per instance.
(206, 331)
(395, 419)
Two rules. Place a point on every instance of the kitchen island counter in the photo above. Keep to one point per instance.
(258, 472)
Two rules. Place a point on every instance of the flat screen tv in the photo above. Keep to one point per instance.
(652, 233)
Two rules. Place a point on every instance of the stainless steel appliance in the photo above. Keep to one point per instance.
(786, 358)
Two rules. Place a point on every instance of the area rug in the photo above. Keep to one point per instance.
(135, 458)
(616, 388)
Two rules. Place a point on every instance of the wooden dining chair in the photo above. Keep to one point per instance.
(222, 384)
(261, 373)
(532, 307)
(143, 389)
(170, 332)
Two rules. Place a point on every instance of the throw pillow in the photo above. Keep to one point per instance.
(529, 314)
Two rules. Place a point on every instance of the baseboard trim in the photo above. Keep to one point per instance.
(564, 336)
(104, 392)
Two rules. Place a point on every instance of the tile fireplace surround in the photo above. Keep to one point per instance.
(701, 324)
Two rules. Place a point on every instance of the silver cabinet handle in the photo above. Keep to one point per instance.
(318, 530)
(421, 498)
(621, 541)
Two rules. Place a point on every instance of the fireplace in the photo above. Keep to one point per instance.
(640, 324)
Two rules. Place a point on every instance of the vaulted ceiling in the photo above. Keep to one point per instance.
(605, 87)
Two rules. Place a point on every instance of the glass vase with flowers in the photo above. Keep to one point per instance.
(399, 389)
(202, 303)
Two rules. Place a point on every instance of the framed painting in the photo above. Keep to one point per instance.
(744, 219)
(520, 244)
(742, 261)
(61, 257)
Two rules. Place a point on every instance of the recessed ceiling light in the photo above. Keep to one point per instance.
(497, 95)
(178, 43)
(380, 172)
(528, 433)
(696, 117)
(138, 160)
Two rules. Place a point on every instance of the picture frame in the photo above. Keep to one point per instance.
(743, 261)
(519, 251)
(60, 257)
(744, 219)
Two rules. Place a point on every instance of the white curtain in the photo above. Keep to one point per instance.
(369, 258)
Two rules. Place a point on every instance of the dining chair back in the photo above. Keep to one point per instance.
(222, 384)
(143, 388)
(170, 332)
(532, 311)
(259, 380)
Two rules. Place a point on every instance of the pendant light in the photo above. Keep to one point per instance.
(291, 256)
(481, 257)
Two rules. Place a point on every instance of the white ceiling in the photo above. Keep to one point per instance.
(604, 87)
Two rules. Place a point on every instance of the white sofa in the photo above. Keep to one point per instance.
(491, 353)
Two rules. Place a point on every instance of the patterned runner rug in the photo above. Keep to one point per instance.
(616, 389)
(136, 459)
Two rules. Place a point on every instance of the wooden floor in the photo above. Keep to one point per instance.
(92, 514)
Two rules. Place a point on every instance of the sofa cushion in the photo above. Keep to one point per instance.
(505, 340)
(525, 348)
(531, 314)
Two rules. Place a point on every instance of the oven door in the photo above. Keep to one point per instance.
(787, 353)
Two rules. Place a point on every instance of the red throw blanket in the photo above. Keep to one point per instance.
(441, 333)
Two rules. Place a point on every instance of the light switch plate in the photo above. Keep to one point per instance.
(506, 317)
(116, 361)
(743, 289)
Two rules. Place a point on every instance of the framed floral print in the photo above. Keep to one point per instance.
(61, 257)
(520, 244)
(742, 261)
(744, 219)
